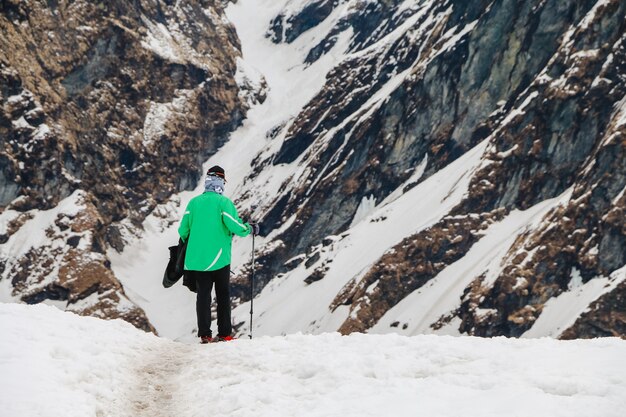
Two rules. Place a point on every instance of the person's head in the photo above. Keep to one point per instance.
(215, 179)
(217, 171)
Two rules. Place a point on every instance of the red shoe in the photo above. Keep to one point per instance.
(206, 339)
(224, 338)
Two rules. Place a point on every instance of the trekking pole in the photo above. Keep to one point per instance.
(252, 288)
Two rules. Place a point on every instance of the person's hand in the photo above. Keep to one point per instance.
(255, 229)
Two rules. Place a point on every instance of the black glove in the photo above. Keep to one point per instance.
(254, 228)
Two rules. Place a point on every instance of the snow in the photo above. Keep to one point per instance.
(33, 233)
(249, 80)
(53, 365)
(21, 123)
(415, 177)
(6, 217)
(24, 97)
(507, 153)
(160, 113)
(443, 294)
(576, 280)
(168, 42)
(289, 305)
(42, 131)
(561, 312)
(519, 111)
(6, 291)
(591, 15)
(367, 205)
(59, 364)
(42, 231)
(161, 42)
(452, 36)
(410, 24)
(520, 282)
(294, 7)
(299, 173)
(405, 5)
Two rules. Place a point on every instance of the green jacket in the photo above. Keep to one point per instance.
(210, 220)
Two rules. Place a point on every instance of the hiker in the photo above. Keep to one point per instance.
(209, 222)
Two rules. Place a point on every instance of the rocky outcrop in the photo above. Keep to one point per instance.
(112, 106)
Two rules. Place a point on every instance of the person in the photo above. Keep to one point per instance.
(208, 225)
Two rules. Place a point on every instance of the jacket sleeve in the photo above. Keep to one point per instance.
(185, 224)
(232, 221)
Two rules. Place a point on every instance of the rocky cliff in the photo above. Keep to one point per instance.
(540, 85)
(106, 110)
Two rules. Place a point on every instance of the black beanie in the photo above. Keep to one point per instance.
(217, 170)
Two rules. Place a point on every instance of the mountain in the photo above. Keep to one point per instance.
(63, 364)
(107, 109)
(417, 166)
(451, 134)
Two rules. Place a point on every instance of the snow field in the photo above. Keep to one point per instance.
(59, 364)
(54, 363)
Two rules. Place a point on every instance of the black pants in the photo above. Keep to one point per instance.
(204, 281)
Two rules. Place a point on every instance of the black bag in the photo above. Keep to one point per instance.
(175, 267)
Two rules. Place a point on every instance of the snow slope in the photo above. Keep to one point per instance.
(279, 304)
(561, 312)
(444, 293)
(54, 363)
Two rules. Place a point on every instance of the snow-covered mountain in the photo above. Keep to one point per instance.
(106, 110)
(430, 166)
(461, 170)
(60, 364)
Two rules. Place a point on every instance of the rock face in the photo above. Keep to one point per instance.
(541, 83)
(106, 110)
